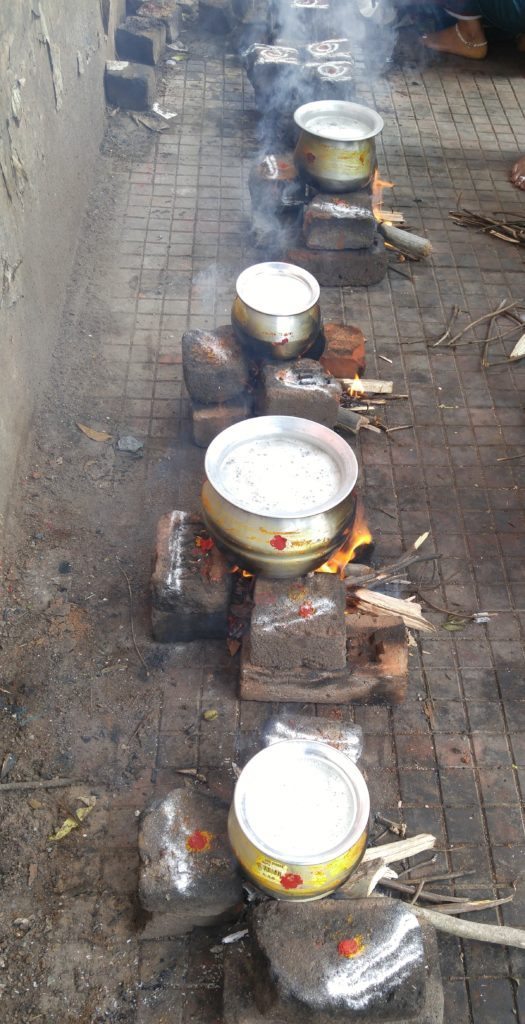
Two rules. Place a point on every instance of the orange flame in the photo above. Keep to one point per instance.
(377, 197)
(358, 535)
(354, 390)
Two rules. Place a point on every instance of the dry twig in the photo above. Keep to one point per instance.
(6, 787)
(131, 621)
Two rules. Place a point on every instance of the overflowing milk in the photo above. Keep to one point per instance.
(304, 808)
(279, 476)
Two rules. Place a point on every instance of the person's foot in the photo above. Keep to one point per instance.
(517, 174)
(465, 40)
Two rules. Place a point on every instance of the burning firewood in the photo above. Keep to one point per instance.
(408, 611)
(364, 386)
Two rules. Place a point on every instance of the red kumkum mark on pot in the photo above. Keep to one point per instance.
(306, 610)
(204, 544)
(199, 841)
(351, 947)
(290, 881)
(310, 157)
(278, 542)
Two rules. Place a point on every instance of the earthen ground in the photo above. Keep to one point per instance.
(163, 241)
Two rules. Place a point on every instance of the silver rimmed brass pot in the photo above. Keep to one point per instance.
(276, 310)
(336, 148)
(298, 824)
(279, 495)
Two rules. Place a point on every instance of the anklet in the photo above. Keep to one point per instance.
(471, 46)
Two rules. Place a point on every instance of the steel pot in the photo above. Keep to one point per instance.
(296, 514)
(276, 311)
(336, 148)
(298, 824)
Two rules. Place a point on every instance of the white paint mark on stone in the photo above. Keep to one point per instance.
(175, 550)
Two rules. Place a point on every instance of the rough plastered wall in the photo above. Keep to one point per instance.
(52, 55)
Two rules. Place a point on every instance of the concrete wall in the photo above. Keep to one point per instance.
(52, 56)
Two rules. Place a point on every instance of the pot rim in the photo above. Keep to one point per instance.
(359, 796)
(265, 427)
(279, 270)
(370, 118)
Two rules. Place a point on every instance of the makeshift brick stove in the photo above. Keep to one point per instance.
(330, 232)
(301, 640)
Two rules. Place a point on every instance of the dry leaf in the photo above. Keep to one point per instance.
(70, 823)
(95, 435)
(210, 715)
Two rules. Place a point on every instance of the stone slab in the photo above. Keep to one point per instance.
(358, 267)
(191, 584)
(165, 11)
(333, 80)
(129, 86)
(344, 350)
(339, 221)
(214, 365)
(299, 623)
(141, 40)
(300, 388)
(366, 960)
(188, 875)
(362, 681)
(275, 186)
(210, 420)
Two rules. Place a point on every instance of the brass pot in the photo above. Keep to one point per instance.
(294, 539)
(276, 310)
(298, 824)
(336, 148)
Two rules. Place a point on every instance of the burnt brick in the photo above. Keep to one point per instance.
(129, 86)
(343, 268)
(214, 365)
(299, 623)
(188, 875)
(302, 388)
(344, 350)
(190, 584)
(339, 221)
(141, 40)
(165, 11)
(210, 420)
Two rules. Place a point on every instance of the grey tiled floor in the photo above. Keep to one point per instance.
(454, 754)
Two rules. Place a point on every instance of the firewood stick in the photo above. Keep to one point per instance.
(364, 880)
(412, 244)
(407, 889)
(366, 386)
(353, 421)
(408, 611)
(470, 906)
(390, 852)
(500, 935)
